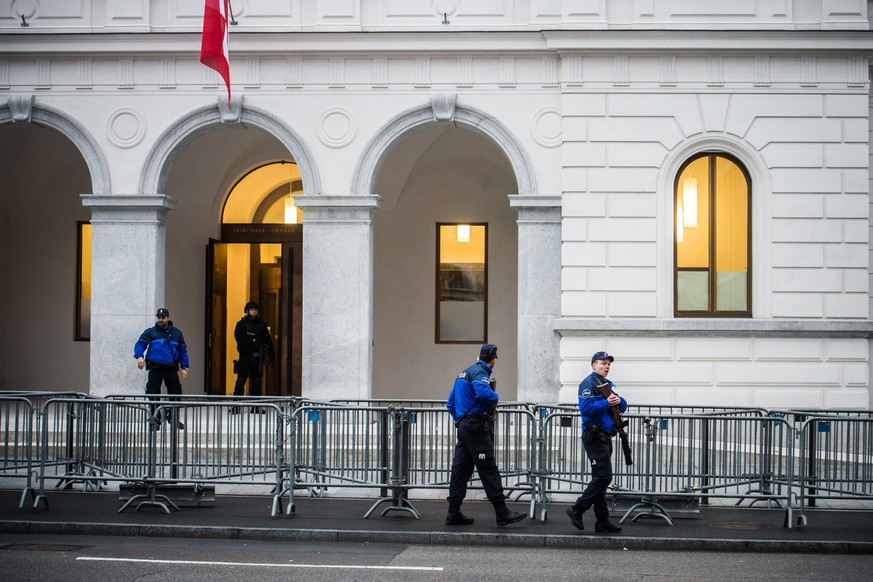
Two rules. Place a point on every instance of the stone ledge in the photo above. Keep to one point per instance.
(573, 327)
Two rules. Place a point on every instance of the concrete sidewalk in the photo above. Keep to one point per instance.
(743, 529)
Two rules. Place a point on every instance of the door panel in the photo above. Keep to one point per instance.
(216, 317)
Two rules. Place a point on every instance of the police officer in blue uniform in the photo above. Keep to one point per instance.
(598, 428)
(472, 404)
(162, 351)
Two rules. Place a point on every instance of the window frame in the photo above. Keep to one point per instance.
(77, 331)
(712, 286)
(437, 339)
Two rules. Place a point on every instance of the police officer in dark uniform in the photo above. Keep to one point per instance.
(162, 351)
(472, 404)
(255, 347)
(598, 428)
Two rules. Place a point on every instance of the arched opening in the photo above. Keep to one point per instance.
(40, 215)
(256, 260)
(229, 182)
(442, 176)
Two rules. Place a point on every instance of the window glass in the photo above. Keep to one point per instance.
(83, 284)
(461, 283)
(712, 243)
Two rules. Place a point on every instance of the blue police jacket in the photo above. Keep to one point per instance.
(593, 407)
(162, 346)
(472, 393)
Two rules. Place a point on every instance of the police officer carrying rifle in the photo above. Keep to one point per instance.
(472, 404)
(255, 347)
(598, 428)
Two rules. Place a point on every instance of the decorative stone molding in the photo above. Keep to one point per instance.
(684, 327)
(443, 105)
(171, 144)
(21, 107)
(126, 128)
(367, 166)
(546, 127)
(336, 127)
(230, 112)
(42, 115)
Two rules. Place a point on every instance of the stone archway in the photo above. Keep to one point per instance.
(538, 235)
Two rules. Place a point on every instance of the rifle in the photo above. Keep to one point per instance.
(620, 424)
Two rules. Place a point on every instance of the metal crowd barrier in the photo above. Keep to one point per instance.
(836, 454)
(17, 430)
(159, 441)
(693, 456)
(688, 453)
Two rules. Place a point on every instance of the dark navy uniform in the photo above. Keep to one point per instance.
(254, 344)
(598, 428)
(472, 403)
(165, 352)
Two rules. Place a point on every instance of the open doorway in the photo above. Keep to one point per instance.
(259, 258)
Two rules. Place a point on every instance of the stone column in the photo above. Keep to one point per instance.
(337, 295)
(127, 284)
(539, 296)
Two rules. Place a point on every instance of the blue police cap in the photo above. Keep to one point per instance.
(601, 356)
(487, 352)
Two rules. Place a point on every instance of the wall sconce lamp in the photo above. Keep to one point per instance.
(689, 202)
(463, 233)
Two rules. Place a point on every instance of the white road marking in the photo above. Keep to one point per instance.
(260, 564)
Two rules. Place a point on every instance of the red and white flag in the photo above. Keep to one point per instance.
(213, 50)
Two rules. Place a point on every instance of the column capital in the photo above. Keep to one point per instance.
(128, 208)
(337, 209)
(536, 208)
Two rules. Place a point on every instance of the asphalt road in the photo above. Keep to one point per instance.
(47, 558)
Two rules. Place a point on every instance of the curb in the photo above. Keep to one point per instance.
(598, 542)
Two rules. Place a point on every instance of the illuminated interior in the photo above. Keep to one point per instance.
(712, 237)
(462, 283)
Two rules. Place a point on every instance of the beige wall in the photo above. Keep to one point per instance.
(42, 174)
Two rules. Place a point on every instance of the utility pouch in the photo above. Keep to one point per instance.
(236, 366)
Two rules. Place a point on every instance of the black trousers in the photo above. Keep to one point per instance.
(166, 375)
(600, 455)
(474, 449)
(248, 367)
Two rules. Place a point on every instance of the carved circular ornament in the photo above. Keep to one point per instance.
(545, 127)
(445, 7)
(26, 8)
(336, 128)
(126, 128)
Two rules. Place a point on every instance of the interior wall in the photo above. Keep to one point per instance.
(42, 175)
(199, 181)
(439, 175)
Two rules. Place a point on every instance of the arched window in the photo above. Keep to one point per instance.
(712, 243)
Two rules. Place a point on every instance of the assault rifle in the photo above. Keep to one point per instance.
(620, 424)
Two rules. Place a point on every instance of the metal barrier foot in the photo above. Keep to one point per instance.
(399, 503)
(652, 509)
(154, 500)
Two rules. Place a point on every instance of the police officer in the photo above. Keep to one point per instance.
(598, 428)
(255, 347)
(472, 404)
(162, 351)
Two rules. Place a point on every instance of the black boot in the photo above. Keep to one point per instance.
(505, 516)
(605, 526)
(576, 517)
(455, 517)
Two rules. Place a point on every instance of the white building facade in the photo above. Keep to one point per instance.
(565, 128)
